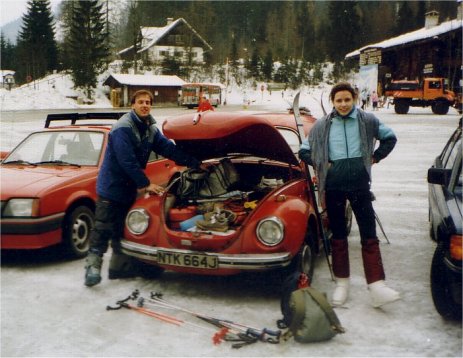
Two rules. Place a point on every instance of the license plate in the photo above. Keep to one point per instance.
(187, 260)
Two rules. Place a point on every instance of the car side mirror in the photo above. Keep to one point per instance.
(439, 176)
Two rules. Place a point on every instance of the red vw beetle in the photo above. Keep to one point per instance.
(274, 222)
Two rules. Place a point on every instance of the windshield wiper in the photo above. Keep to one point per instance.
(19, 161)
(57, 162)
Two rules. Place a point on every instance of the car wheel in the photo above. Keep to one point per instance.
(401, 106)
(76, 232)
(304, 261)
(440, 107)
(440, 287)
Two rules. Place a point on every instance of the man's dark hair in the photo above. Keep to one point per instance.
(142, 93)
(342, 86)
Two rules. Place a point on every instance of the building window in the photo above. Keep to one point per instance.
(178, 39)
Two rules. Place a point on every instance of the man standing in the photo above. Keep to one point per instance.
(121, 178)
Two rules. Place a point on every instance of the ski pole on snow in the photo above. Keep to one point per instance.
(218, 335)
(264, 335)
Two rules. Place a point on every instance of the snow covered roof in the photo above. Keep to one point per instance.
(4, 73)
(145, 80)
(413, 36)
(154, 34)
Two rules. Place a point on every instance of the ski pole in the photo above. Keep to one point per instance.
(252, 331)
(218, 335)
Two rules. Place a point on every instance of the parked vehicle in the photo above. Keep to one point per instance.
(193, 92)
(48, 183)
(431, 92)
(445, 215)
(275, 223)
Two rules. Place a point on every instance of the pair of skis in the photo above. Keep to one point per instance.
(230, 331)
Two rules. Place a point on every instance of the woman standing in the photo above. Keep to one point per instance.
(341, 148)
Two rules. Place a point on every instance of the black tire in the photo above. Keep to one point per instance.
(78, 224)
(401, 106)
(440, 287)
(304, 261)
(440, 107)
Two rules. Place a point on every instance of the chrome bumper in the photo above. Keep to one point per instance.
(234, 261)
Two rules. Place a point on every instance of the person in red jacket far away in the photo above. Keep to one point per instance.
(205, 105)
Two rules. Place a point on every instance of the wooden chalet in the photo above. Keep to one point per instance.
(432, 51)
(165, 89)
(177, 39)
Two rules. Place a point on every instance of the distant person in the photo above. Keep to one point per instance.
(374, 100)
(357, 94)
(205, 105)
(341, 148)
(364, 98)
(120, 179)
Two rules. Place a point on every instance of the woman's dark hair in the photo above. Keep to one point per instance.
(342, 86)
(142, 93)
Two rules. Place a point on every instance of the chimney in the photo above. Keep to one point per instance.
(431, 19)
(170, 20)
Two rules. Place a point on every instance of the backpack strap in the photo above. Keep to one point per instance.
(320, 298)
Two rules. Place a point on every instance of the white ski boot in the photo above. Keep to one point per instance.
(381, 294)
(340, 292)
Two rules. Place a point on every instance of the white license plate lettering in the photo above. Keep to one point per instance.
(187, 260)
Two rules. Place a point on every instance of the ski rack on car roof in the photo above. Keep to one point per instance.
(74, 117)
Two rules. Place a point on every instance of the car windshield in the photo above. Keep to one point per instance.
(291, 138)
(58, 147)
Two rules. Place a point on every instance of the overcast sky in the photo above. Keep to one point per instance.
(11, 10)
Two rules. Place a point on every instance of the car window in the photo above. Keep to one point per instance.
(291, 138)
(452, 154)
(74, 147)
(449, 148)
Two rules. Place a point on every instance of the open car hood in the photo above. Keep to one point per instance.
(218, 134)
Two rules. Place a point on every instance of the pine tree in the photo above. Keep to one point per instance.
(404, 22)
(37, 48)
(7, 54)
(343, 29)
(88, 44)
(267, 66)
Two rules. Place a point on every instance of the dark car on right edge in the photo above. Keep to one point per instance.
(445, 215)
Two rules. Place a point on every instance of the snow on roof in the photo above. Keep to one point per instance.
(154, 34)
(416, 35)
(147, 80)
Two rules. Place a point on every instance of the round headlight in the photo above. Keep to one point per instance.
(137, 221)
(270, 231)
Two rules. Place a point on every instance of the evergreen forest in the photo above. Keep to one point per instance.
(85, 36)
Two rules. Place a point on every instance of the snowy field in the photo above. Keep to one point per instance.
(46, 311)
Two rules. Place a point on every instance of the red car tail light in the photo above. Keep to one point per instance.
(455, 247)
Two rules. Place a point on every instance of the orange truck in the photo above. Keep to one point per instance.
(431, 92)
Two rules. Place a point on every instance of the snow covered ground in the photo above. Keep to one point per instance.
(46, 311)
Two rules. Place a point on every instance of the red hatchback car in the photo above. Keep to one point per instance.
(273, 222)
(48, 183)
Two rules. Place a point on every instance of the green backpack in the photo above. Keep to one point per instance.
(309, 316)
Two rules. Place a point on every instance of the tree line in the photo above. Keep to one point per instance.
(249, 35)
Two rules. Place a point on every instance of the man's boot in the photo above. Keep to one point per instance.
(93, 269)
(374, 274)
(341, 270)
